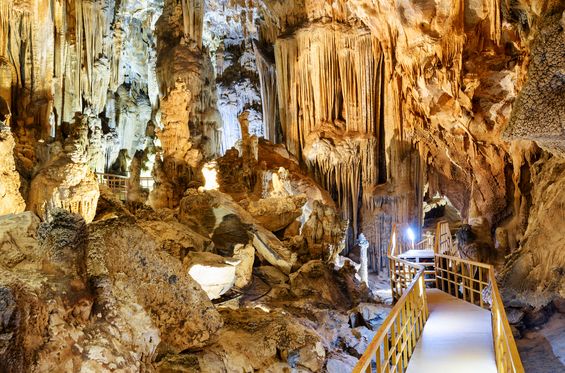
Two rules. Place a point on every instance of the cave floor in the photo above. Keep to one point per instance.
(457, 338)
(543, 350)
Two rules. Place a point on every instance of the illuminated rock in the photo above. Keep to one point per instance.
(67, 182)
(276, 213)
(11, 200)
(216, 215)
(212, 272)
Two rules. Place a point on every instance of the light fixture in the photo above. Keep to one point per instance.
(411, 236)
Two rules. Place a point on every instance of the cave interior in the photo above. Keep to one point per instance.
(218, 186)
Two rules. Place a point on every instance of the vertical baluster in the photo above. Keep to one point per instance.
(378, 359)
(393, 344)
(387, 355)
(448, 277)
(481, 288)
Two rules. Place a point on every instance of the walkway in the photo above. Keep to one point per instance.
(457, 338)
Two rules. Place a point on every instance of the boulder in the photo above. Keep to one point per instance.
(120, 250)
(175, 238)
(371, 315)
(245, 256)
(254, 340)
(359, 341)
(211, 272)
(271, 275)
(217, 215)
(46, 294)
(340, 363)
(318, 280)
(276, 213)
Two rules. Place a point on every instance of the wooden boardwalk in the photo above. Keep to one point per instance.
(456, 338)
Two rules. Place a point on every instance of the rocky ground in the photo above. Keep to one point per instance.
(237, 282)
(542, 349)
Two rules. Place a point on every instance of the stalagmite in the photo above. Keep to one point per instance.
(11, 200)
(364, 269)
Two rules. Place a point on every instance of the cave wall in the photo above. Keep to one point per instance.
(386, 103)
(467, 93)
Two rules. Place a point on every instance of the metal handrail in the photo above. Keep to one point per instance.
(118, 184)
(397, 245)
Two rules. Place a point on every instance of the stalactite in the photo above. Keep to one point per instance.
(192, 16)
(329, 82)
(267, 78)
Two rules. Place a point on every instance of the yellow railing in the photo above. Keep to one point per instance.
(393, 345)
(471, 281)
(117, 183)
(426, 244)
(506, 352)
(398, 246)
(146, 182)
(443, 242)
(402, 274)
(464, 279)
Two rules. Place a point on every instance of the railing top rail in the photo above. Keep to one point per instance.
(394, 312)
(466, 261)
(497, 303)
(112, 175)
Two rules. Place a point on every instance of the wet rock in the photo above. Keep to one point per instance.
(368, 314)
(340, 363)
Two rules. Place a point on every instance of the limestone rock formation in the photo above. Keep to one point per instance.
(257, 340)
(531, 275)
(11, 200)
(538, 114)
(314, 280)
(276, 213)
(67, 182)
(327, 122)
(216, 215)
(179, 308)
(214, 275)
